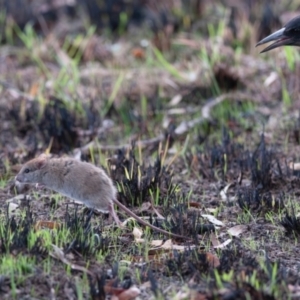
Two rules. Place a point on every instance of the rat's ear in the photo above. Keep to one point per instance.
(44, 156)
(41, 162)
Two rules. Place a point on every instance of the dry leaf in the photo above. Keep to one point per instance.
(237, 230)
(16, 199)
(224, 191)
(12, 209)
(215, 242)
(211, 210)
(175, 100)
(223, 245)
(168, 245)
(213, 220)
(271, 78)
(294, 166)
(137, 233)
(156, 243)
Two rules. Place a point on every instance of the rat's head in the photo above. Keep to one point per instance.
(31, 171)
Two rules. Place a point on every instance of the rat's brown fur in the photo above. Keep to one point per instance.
(80, 181)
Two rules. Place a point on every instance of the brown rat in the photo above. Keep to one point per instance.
(80, 181)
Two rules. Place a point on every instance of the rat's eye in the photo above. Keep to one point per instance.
(26, 171)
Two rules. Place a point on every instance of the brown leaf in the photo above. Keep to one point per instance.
(130, 293)
(34, 89)
(46, 224)
(138, 53)
(213, 260)
(194, 204)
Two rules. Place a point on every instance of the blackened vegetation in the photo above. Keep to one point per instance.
(226, 78)
(269, 21)
(107, 13)
(15, 236)
(231, 162)
(154, 284)
(224, 162)
(58, 124)
(140, 183)
(264, 167)
(25, 123)
(245, 264)
(103, 14)
(187, 263)
(199, 268)
(41, 14)
(262, 159)
(24, 113)
(97, 291)
(291, 223)
(264, 13)
(205, 228)
(220, 156)
(243, 291)
(92, 119)
(185, 222)
(14, 241)
(256, 200)
(86, 240)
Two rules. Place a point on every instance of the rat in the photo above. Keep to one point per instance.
(81, 181)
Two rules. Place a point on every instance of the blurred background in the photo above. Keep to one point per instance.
(129, 62)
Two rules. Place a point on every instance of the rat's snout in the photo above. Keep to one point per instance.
(19, 178)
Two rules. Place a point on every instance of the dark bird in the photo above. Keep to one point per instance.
(289, 35)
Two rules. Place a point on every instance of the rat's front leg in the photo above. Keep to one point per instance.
(39, 186)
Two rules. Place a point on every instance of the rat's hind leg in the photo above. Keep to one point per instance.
(114, 215)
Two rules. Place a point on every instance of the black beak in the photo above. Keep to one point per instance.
(289, 35)
(280, 38)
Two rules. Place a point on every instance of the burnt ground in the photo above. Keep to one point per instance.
(191, 123)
